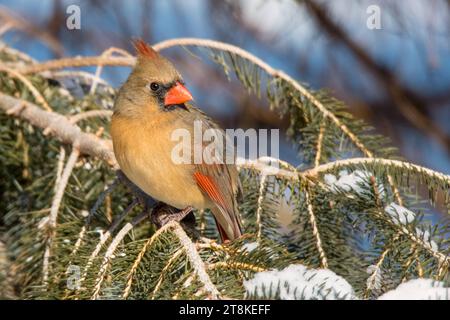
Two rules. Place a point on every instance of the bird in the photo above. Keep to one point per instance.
(149, 106)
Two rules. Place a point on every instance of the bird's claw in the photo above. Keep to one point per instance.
(163, 214)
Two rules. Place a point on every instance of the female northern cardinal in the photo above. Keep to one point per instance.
(150, 105)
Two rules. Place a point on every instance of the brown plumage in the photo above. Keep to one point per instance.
(149, 107)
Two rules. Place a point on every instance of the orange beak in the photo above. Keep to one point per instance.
(178, 94)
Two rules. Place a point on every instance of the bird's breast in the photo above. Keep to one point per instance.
(144, 151)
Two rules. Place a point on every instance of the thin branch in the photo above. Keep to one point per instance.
(107, 53)
(77, 244)
(260, 166)
(196, 261)
(90, 114)
(236, 265)
(6, 27)
(319, 146)
(374, 161)
(312, 220)
(55, 208)
(76, 62)
(262, 187)
(60, 166)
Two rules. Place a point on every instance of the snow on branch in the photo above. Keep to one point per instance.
(296, 282)
(418, 289)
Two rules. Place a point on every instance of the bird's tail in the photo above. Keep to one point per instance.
(228, 224)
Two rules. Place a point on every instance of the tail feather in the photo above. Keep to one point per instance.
(222, 233)
(228, 225)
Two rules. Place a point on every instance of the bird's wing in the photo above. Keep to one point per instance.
(217, 183)
(219, 179)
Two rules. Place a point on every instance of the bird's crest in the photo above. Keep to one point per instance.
(144, 50)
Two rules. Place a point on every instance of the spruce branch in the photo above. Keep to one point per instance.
(371, 280)
(377, 161)
(163, 272)
(111, 249)
(104, 238)
(329, 219)
(60, 126)
(37, 95)
(94, 146)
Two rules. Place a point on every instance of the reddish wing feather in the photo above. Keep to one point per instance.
(208, 185)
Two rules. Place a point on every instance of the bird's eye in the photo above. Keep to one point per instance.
(154, 86)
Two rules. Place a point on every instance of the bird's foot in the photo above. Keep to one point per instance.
(163, 214)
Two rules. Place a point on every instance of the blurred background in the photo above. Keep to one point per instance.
(397, 77)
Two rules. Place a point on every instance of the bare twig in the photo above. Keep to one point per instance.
(60, 166)
(262, 187)
(196, 261)
(77, 62)
(55, 207)
(91, 114)
(312, 220)
(107, 53)
(319, 146)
